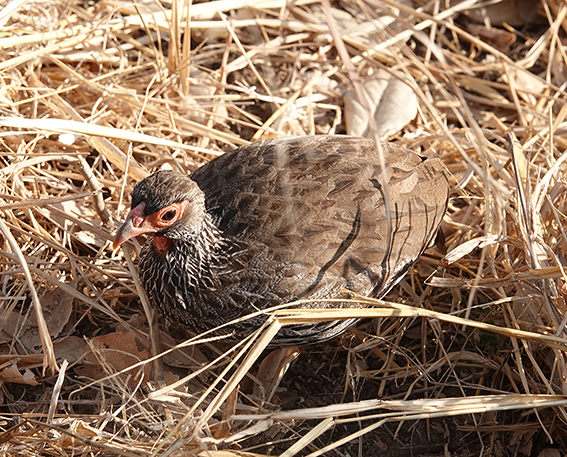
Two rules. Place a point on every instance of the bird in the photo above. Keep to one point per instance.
(281, 220)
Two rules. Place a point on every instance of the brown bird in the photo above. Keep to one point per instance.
(281, 220)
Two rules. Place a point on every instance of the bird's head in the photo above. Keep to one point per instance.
(166, 204)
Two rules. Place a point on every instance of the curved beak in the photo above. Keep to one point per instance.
(133, 226)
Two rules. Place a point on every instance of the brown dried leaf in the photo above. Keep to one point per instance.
(113, 353)
(11, 326)
(189, 357)
(522, 440)
(549, 452)
(224, 427)
(517, 13)
(272, 370)
(481, 87)
(393, 105)
(10, 372)
(24, 361)
(71, 348)
(468, 246)
(81, 429)
(57, 307)
(500, 39)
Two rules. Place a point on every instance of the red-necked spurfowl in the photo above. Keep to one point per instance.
(281, 220)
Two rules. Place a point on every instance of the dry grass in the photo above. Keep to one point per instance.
(468, 355)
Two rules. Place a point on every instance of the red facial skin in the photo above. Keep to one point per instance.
(138, 224)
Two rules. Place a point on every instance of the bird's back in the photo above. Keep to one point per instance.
(316, 207)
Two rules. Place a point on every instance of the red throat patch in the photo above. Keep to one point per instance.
(162, 244)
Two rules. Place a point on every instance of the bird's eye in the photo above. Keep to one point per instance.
(169, 215)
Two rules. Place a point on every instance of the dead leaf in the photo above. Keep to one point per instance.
(498, 38)
(393, 104)
(57, 306)
(223, 428)
(11, 326)
(81, 429)
(558, 69)
(189, 357)
(468, 246)
(71, 348)
(479, 86)
(522, 441)
(272, 370)
(23, 361)
(10, 372)
(114, 353)
(549, 453)
(517, 13)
